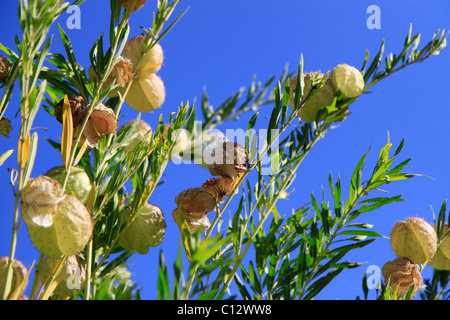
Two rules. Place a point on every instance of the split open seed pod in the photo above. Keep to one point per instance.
(194, 221)
(77, 108)
(42, 192)
(227, 159)
(348, 80)
(137, 6)
(122, 73)
(322, 98)
(143, 128)
(146, 93)
(195, 200)
(102, 121)
(71, 278)
(415, 239)
(143, 64)
(5, 67)
(441, 258)
(78, 183)
(400, 275)
(146, 230)
(19, 273)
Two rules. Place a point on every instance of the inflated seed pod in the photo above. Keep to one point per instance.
(322, 98)
(122, 73)
(137, 6)
(61, 226)
(18, 276)
(77, 107)
(415, 239)
(219, 186)
(146, 230)
(5, 66)
(146, 93)
(143, 64)
(102, 121)
(400, 274)
(227, 159)
(441, 258)
(143, 128)
(348, 80)
(195, 200)
(194, 221)
(71, 278)
(78, 183)
(182, 141)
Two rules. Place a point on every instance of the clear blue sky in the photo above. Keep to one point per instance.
(220, 45)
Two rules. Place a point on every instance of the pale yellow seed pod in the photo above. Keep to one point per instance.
(19, 272)
(415, 239)
(71, 278)
(400, 275)
(143, 128)
(78, 183)
(348, 80)
(146, 230)
(143, 64)
(182, 142)
(441, 259)
(146, 94)
(323, 98)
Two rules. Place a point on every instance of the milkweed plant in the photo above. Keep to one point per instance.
(86, 224)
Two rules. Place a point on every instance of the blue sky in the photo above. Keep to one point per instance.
(221, 45)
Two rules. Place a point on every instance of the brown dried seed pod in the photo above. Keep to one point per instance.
(19, 273)
(415, 239)
(195, 200)
(441, 259)
(143, 65)
(137, 6)
(146, 94)
(219, 187)
(5, 126)
(401, 274)
(146, 230)
(122, 73)
(71, 278)
(227, 159)
(77, 107)
(5, 67)
(324, 97)
(102, 121)
(194, 222)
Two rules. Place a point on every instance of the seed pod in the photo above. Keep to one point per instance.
(415, 239)
(143, 128)
(5, 67)
(219, 187)
(122, 73)
(18, 276)
(77, 107)
(102, 121)
(60, 227)
(5, 126)
(78, 183)
(143, 64)
(348, 80)
(146, 94)
(146, 230)
(182, 142)
(441, 259)
(227, 159)
(195, 200)
(137, 6)
(194, 221)
(324, 97)
(400, 275)
(71, 278)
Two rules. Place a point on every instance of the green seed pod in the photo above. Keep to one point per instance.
(348, 80)
(18, 276)
(441, 259)
(414, 239)
(70, 279)
(60, 228)
(146, 230)
(78, 183)
(400, 275)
